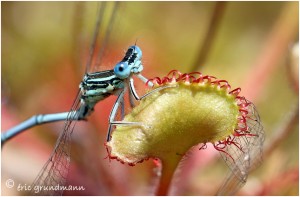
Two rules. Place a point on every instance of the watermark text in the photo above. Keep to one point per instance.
(37, 188)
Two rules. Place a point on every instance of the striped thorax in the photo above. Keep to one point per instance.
(100, 85)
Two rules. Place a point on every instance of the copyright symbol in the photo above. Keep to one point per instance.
(9, 183)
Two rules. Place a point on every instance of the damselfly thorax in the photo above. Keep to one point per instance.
(100, 85)
(94, 87)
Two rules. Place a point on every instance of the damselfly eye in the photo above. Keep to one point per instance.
(122, 70)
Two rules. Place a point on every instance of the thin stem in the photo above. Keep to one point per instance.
(77, 39)
(108, 33)
(95, 36)
(292, 62)
(210, 35)
(282, 182)
(284, 130)
(283, 33)
(168, 169)
(32, 122)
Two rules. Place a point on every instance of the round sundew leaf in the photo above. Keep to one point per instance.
(175, 119)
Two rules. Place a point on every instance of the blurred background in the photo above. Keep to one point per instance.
(250, 44)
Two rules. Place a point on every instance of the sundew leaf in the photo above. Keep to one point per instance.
(192, 109)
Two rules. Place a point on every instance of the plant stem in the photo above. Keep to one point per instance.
(283, 33)
(168, 169)
(284, 130)
(210, 35)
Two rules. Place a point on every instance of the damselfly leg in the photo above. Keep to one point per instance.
(94, 87)
(118, 104)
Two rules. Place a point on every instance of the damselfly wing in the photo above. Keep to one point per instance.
(243, 154)
(52, 178)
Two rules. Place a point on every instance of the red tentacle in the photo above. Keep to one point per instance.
(235, 92)
(221, 150)
(242, 103)
(204, 146)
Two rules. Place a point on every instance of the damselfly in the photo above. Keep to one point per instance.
(188, 32)
(94, 87)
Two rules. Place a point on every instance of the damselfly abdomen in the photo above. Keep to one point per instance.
(94, 88)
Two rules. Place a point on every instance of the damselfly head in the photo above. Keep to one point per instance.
(131, 63)
(136, 50)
